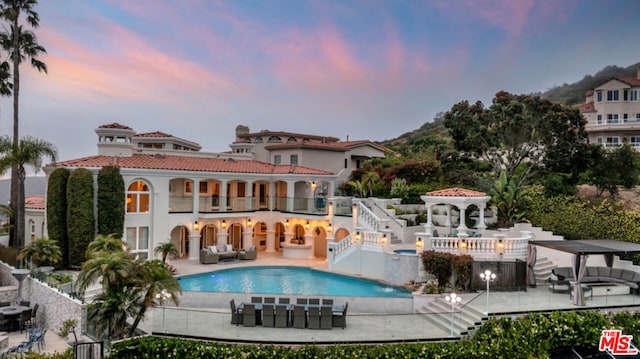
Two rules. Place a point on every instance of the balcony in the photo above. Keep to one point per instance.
(216, 204)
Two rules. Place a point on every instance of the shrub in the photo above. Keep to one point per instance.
(57, 211)
(111, 201)
(438, 264)
(80, 220)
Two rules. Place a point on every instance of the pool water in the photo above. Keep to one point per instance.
(405, 251)
(287, 280)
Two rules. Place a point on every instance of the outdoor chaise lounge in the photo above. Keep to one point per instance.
(562, 276)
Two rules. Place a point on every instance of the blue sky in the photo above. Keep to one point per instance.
(365, 69)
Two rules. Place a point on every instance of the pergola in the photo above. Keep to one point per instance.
(460, 198)
(581, 249)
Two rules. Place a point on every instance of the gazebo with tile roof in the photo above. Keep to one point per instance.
(460, 198)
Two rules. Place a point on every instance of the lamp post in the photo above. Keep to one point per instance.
(453, 298)
(487, 276)
(163, 296)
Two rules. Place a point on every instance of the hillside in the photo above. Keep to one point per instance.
(433, 132)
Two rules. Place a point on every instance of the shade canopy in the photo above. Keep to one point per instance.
(591, 246)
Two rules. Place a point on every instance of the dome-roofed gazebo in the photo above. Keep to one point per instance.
(460, 198)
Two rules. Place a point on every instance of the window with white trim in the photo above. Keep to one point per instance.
(599, 96)
(599, 119)
(138, 197)
(138, 240)
(294, 159)
(633, 95)
(613, 95)
(612, 118)
(613, 141)
(625, 95)
(599, 140)
(634, 141)
(625, 117)
(277, 159)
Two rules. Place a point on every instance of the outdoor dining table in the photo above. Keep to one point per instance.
(13, 314)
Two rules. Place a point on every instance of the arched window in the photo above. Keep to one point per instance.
(32, 229)
(138, 197)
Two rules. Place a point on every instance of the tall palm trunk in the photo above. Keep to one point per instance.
(17, 178)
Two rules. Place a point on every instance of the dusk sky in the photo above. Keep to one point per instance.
(365, 69)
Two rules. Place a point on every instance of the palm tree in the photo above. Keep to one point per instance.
(165, 249)
(20, 44)
(154, 278)
(370, 178)
(110, 309)
(29, 151)
(43, 250)
(104, 243)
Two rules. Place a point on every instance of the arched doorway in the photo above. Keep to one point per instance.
(280, 235)
(260, 235)
(319, 242)
(208, 236)
(297, 235)
(235, 235)
(180, 239)
(341, 234)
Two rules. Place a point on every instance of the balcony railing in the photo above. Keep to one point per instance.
(216, 204)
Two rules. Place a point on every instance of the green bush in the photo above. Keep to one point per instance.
(533, 336)
(57, 211)
(9, 255)
(111, 201)
(80, 220)
(438, 264)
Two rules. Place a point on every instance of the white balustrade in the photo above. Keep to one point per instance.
(367, 218)
(483, 248)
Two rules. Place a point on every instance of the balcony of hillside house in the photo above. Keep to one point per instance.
(217, 204)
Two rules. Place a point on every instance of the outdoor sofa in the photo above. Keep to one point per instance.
(214, 254)
(562, 276)
(249, 253)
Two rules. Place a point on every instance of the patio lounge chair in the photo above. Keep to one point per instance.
(340, 319)
(249, 315)
(282, 316)
(326, 317)
(208, 257)
(268, 315)
(314, 318)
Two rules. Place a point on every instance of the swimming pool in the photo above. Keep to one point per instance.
(405, 251)
(287, 280)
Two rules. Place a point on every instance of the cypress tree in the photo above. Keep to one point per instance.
(80, 217)
(57, 211)
(111, 201)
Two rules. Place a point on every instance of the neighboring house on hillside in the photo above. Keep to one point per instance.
(612, 111)
(321, 152)
(34, 217)
(194, 199)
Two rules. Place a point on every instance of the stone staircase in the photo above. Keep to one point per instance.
(465, 319)
(542, 270)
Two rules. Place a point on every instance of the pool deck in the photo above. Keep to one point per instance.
(214, 323)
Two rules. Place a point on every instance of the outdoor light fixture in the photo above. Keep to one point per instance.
(454, 299)
(286, 223)
(500, 246)
(249, 224)
(463, 244)
(357, 236)
(224, 224)
(307, 225)
(196, 226)
(419, 243)
(313, 185)
(383, 240)
(488, 277)
(329, 227)
(163, 297)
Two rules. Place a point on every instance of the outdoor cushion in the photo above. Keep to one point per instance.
(592, 272)
(636, 277)
(616, 273)
(213, 249)
(563, 273)
(604, 272)
(628, 275)
(222, 247)
(229, 247)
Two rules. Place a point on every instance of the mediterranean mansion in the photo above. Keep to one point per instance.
(271, 190)
(612, 111)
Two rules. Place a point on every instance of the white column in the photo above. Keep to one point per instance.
(271, 241)
(291, 188)
(309, 239)
(481, 225)
(429, 224)
(196, 196)
(223, 195)
(462, 227)
(272, 196)
(194, 246)
(248, 237)
(248, 195)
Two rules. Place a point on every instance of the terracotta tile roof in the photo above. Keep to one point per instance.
(456, 192)
(264, 133)
(186, 163)
(587, 107)
(335, 146)
(153, 134)
(116, 125)
(34, 202)
(631, 81)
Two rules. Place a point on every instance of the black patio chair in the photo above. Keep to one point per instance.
(313, 318)
(256, 299)
(270, 300)
(299, 317)
(282, 316)
(340, 319)
(5, 323)
(236, 314)
(25, 319)
(326, 317)
(301, 301)
(326, 301)
(249, 315)
(283, 300)
(314, 301)
(5, 304)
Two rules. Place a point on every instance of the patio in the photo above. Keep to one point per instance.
(215, 323)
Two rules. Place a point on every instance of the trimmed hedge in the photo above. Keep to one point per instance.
(534, 336)
(80, 220)
(111, 201)
(57, 211)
